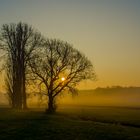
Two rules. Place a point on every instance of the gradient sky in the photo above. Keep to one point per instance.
(107, 31)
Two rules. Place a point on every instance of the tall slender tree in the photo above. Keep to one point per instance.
(19, 41)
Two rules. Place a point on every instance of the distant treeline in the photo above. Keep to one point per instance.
(113, 89)
(118, 89)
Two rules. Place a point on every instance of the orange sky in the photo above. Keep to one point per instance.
(108, 32)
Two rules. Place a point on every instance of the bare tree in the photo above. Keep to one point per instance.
(59, 67)
(19, 41)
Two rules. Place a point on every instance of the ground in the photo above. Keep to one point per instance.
(73, 123)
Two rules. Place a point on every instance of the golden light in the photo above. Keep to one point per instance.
(63, 79)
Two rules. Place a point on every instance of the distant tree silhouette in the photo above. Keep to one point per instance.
(9, 83)
(18, 41)
(58, 67)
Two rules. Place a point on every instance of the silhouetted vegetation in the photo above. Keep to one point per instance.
(118, 89)
(18, 41)
(53, 64)
(59, 67)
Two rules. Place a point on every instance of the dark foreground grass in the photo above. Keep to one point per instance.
(36, 125)
(127, 116)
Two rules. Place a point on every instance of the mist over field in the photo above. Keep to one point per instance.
(116, 96)
(113, 96)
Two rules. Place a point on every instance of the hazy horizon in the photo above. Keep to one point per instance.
(113, 97)
(107, 32)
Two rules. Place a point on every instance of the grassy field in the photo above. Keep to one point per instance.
(71, 123)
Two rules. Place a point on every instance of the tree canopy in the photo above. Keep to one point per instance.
(53, 64)
(18, 41)
(59, 67)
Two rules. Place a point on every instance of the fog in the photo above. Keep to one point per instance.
(104, 97)
(114, 96)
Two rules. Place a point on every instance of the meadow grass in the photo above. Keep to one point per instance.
(109, 114)
(73, 123)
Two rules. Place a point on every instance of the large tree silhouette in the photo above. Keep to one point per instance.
(18, 41)
(59, 67)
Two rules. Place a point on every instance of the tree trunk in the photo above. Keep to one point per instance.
(24, 91)
(51, 105)
(17, 85)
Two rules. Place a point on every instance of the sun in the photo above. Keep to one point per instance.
(63, 78)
